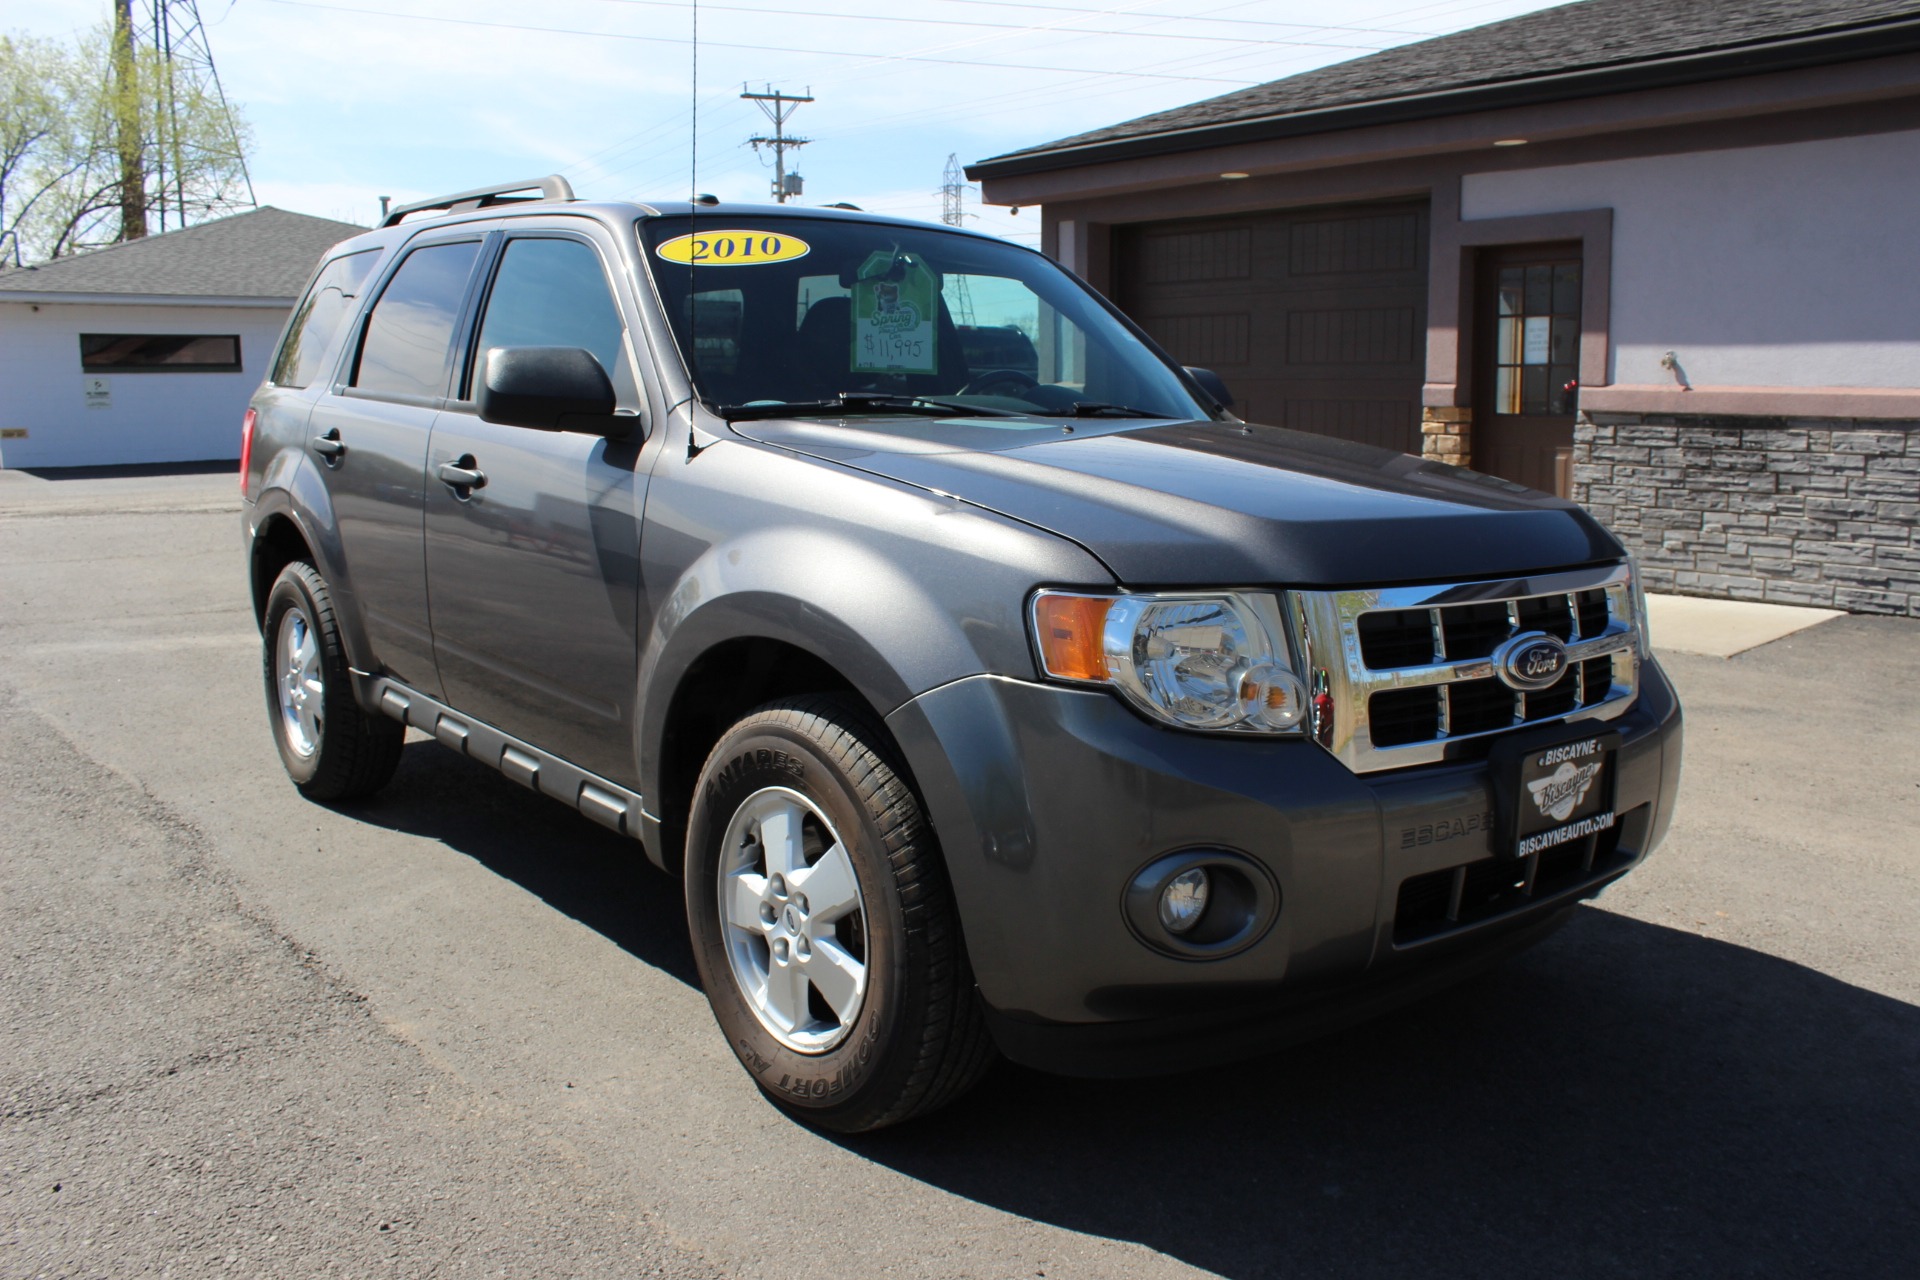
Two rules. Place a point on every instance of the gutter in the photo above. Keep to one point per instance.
(43, 296)
(1853, 44)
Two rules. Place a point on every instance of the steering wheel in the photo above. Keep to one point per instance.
(1012, 380)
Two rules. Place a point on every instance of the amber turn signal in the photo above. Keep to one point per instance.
(1069, 628)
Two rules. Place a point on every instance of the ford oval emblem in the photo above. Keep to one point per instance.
(1530, 662)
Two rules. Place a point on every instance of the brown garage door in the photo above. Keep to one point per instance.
(1316, 318)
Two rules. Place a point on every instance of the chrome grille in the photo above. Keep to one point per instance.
(1402, 674)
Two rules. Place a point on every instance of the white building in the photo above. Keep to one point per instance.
(148, 351)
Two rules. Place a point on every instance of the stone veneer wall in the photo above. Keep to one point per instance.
(1819, 511)
(1446, 435)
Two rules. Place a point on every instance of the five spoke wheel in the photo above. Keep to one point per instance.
(302, 685)
(794, 921)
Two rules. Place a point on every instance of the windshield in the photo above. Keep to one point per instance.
(856, 317)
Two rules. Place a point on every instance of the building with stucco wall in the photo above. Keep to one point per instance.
(148, 351)
(1655, 257)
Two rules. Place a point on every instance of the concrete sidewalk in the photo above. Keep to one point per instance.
(1722, 628)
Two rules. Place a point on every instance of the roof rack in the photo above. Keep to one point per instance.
(551, 187)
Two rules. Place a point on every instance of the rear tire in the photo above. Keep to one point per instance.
(331, 747)
(823, 923)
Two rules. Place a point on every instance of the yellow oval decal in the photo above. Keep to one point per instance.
(733, 248)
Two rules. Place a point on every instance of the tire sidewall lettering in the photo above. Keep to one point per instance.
(760, 761)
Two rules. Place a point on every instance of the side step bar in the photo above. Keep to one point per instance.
(607, 803)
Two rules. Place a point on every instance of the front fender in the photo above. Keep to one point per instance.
(897, 589)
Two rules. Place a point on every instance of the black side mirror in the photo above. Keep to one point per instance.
(549, 389)
(1211, 383)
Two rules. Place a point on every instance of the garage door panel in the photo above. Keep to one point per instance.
(1316, 318)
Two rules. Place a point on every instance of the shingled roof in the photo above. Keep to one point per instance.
(1572, 50)
(265, 253)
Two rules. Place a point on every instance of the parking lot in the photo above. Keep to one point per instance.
(452, 1031)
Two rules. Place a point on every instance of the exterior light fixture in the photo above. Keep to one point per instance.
(1235, 174)
(1510, 142)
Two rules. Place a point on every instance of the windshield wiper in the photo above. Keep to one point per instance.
(1095, 409)
(858, 402)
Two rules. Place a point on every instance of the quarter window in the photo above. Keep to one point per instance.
(405, 350)
(325, 308)
(159, 353)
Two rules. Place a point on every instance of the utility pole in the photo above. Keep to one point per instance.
(126, 125)
(778, 107)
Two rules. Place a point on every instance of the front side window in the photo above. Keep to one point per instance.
(553, 293)
(791, 311)
(405, 349)
(321, 313)
(159, 353)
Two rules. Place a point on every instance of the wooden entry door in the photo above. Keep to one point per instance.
(1527, 340)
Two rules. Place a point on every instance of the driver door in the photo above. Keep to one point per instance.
(533, 573)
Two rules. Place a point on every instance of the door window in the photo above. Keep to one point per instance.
(1537, 339)
(553, 293)
(405, 350)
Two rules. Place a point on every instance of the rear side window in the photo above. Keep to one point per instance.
(553, 293)
(405, 350)
(322, 312)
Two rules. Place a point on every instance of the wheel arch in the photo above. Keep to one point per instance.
(293, 520)
(724, 659)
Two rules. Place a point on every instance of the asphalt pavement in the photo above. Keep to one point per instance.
(452, 1030)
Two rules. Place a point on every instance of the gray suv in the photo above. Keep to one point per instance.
(992, 689)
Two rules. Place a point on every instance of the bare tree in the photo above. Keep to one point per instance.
(98, 139)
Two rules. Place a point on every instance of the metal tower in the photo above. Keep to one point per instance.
(778, 107)
(953, 192)
(182, 176)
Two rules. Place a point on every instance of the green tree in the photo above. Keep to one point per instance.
(100, 142)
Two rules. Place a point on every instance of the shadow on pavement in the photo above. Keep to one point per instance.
(600, 879)
(1624, 1099)
(133, 471)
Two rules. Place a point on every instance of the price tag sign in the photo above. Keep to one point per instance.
(895, 304)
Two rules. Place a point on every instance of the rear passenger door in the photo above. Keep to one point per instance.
(369, 440)
(534, 574)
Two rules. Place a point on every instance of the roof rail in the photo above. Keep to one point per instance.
(552, 187)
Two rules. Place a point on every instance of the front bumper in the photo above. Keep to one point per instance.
(1048, 800)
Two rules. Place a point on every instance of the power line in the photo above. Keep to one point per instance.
(755, 48)
(870, 19)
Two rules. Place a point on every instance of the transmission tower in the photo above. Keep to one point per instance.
(953, 193)
(778, 107)
(182, 176)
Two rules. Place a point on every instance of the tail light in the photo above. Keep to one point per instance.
(246, 448)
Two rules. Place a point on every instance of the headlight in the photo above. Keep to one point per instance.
(1639, 598)
(1216, 660)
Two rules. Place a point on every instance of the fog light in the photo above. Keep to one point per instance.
(1184, 900)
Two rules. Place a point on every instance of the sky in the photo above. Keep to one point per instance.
(350, 100)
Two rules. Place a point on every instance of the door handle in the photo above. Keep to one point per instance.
(328, 446)
(463, 476)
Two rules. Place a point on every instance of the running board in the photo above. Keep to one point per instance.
(607, 803)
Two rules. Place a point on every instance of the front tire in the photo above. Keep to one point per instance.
(823, 924)
(332, 749)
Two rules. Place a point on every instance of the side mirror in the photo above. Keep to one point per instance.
(1211, 383)
(549, 389)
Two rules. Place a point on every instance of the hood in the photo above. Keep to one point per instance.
(1221, 504)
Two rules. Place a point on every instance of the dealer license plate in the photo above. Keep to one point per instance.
(1565, 793)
